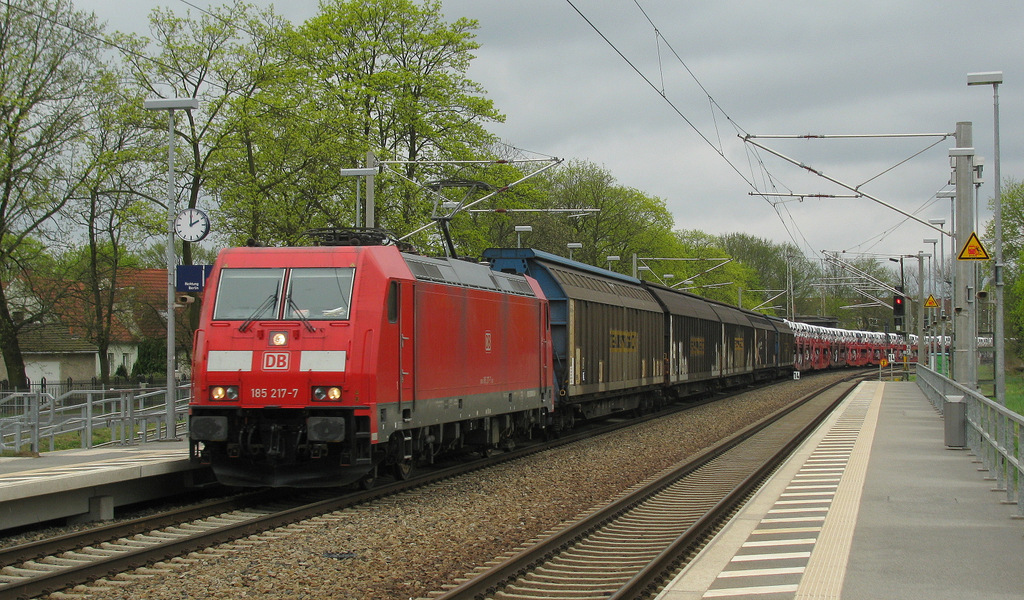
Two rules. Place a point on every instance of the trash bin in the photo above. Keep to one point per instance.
(954, 412)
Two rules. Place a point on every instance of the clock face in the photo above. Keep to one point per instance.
(192, 225)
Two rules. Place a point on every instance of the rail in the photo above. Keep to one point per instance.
(993, 432)
(35, 419)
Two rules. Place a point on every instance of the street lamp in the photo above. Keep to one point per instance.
(942, 292)
(520, 230)
(922, 348)
(170, 105)
(951, 195)
(931, 289)
(611, 259)
(994, 78)
(573, 246)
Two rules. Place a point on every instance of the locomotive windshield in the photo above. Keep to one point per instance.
(318, 294)
(311, 294)
(248, 294)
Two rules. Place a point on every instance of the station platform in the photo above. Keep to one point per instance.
(83, 485)
(873, 505)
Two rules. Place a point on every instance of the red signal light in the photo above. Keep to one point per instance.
(898, 308)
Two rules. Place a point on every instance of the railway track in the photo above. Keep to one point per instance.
(37, 568)
(53, 564)
(45, 566)
(629, 547)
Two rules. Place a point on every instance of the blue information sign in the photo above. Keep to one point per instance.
(191, 278)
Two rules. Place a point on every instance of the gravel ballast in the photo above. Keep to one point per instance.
(414, 543)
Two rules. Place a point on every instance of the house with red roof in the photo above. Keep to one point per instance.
(65, 347)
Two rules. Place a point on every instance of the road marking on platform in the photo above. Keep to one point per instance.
(809, 500)
(92, 467)
(748, 591)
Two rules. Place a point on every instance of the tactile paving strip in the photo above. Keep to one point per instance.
(800, 547)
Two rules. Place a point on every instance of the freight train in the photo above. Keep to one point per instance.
(327, 365)
(819, 348)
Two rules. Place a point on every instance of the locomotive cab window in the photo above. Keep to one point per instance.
(319, 293)
(248, 294)
(393, 302)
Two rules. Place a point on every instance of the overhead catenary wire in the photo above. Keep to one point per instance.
(719, 149)
(769, 181)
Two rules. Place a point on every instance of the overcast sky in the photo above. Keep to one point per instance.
(783, 67)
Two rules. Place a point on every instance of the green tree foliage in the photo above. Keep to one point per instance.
(211, 58)
(277, 173)
(393, 72)
(152, 359)
(116, 154)
(710, 271)
(779, 268)
(48, 54)
(626, 221)
(1012, 204)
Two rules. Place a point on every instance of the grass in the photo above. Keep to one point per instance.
(1015, 391)
(67, 441)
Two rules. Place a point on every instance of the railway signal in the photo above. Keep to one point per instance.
(899, 308)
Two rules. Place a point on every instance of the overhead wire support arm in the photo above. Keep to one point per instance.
(832, 257)
(772, 299)
(749, 139)
(802, 196)
(553, 163)
(841, 136)
(497, 161)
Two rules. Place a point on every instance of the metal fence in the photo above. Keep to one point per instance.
(37, 419)
(993, 432)
(60, 387)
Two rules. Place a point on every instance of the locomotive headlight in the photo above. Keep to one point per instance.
(222, 393)
(327, 393)
(278, 338)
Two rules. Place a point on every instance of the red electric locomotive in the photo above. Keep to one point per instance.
(315, 366)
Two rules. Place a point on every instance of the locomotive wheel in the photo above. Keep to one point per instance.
(403, 469)
(400, 455)
(369, 480)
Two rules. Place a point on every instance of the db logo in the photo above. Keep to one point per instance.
(275, 361)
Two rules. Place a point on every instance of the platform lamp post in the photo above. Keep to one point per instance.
(573, 246)
(951, 196)
(922, 348)
(611, 259)
(942, 292)
(171, 105)
(520, 230)
(932, 260)
(994, 78)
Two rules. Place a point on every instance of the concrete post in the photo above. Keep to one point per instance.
(965, 327)
(922, 348)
